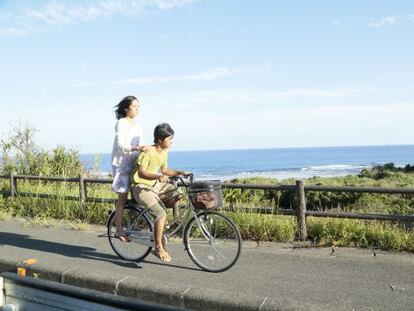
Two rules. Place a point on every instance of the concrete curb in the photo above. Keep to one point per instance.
(195, 298)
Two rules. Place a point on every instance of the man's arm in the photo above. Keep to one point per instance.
(171, 172)
(143, 173)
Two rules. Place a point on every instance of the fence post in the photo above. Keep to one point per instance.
(82, 190)
(300, 195)
(13, 184)
(85, 188)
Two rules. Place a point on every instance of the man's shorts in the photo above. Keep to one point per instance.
(153, 198)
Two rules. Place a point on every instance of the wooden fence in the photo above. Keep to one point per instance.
(300, 188)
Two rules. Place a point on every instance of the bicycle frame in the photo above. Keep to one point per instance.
(198, 226)
(190, 212)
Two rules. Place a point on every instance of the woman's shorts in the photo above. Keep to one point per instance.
(153, 198)
(122, 180)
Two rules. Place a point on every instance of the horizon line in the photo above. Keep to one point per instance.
(269, 148)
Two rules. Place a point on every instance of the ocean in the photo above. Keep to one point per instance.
(280, 163)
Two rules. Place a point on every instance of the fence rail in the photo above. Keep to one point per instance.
(300, 188)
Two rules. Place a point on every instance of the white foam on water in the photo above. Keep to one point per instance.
(332, 170)
(334, 167)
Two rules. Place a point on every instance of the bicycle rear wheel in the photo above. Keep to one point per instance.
(138, 227)
(212, 241)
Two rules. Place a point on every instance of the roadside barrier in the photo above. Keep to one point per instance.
(299, 211)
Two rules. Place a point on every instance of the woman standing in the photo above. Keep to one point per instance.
(128, 143)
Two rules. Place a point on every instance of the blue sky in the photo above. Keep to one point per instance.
(225, 74)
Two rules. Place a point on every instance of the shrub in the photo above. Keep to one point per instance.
(350, 232)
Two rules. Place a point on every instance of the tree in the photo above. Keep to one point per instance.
(18, 148)
(21, 155)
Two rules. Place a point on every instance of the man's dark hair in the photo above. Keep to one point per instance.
(121, 108)
(162, 131)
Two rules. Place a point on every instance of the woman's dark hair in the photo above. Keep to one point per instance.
(162, 131)
(121, 108)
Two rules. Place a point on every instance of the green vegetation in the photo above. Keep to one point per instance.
(22, 156)
(34, 205)
(347, 232)
(338, 201)
(257, 227)
(327, 231)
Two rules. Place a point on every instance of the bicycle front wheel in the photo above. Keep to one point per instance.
(138, 227)
(212, 241)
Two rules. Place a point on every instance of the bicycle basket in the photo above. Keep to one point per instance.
(206, 194)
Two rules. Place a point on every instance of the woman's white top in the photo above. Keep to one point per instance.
(127, 134)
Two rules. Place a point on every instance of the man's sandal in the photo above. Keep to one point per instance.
(162, 255)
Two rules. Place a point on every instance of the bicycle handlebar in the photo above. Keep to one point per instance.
(181, 177)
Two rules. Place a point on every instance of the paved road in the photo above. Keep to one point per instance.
(268, 276)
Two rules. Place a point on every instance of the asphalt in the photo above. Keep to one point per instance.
(268, 276)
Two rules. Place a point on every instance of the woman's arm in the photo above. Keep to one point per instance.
(123, 140)
(142, 146)
(122, 137)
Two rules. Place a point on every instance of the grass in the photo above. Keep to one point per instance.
(42, 221)
(317, 200)
(5, 215)
(257, 227)
(351, 232)
(80, 226)
(57, 207)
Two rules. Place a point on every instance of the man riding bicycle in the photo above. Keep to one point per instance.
(151, 189)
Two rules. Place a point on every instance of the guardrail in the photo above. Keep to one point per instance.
(301, 212)
(27, 293)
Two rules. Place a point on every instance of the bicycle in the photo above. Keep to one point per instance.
(211, 239)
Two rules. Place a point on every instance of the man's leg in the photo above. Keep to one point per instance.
(161, 216)
(170, 196)
(149, 199)
(158, 232)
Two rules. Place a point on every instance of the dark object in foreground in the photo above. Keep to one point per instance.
(27, 293)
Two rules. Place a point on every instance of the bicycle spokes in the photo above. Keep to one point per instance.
(139, 230)
(213, 241)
